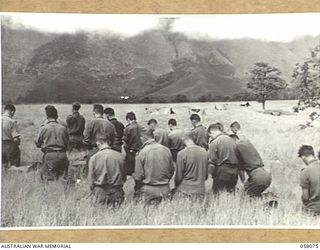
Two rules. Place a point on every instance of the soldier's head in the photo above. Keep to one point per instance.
(215, 130)
(306, 153)
(103, 141)
(10, 110)
(147, 135)
(235, 127)
(76, 106)
(152, 124)
(131, 117)
(51, 112)
(195, 119)
(97, 110)
(187, 137)
(109, 112)
(172, 123)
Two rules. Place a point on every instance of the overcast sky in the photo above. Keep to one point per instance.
(271, 27)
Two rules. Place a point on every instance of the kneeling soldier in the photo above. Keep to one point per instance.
(192, 169)
(153, 170)
(310, 180)
(53, 140)
(223, 162)
(107, 174)
(251, 162)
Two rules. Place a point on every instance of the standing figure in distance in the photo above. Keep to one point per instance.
(310, 180)
(199, 132)
(223, 161)
(153, 170)
(117, 143)
(160, 135)
(132, 141)
(75, 126)
(175, 139)
(192, 169)
(10, 138)
(107, 174)
(53, 141)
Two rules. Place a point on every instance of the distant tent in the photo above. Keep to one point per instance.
(172, 112)
(245, 104)
(220, 107)
(197, 111)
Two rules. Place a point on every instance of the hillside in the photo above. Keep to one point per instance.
(40, 67)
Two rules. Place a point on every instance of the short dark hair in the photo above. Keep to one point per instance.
(195, 117)
(216, 126)
(152, 121)
(235, 125)
(51, 111)
(305, 150)
(76, 105)
(172, 122)
(131, 116)
(10, 107)
(233, 136)
(98, 108)
(109, 111)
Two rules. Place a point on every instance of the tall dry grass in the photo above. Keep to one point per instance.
(27, 202)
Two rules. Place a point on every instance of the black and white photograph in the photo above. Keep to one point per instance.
(153, 120)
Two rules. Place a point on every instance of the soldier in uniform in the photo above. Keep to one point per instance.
(223, 161)
(192, 169)
(53, 141)
(117, 144)
(75, 127)
(251, 163)
(10, 138)
(153, 170)
(175, 139)
(97, 128)
(132, 141)
(160, 135)
(199, 132)
(310, 180)
(107, 174)
(236, 129)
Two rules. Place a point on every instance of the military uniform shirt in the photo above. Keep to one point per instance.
(154, 164)
(119, 129)
(310, 179)
(248, 156)
(192, 169)
(9, 128)
(106, 167)
(161, 136)
(222, 150)
(75, 124)
(200, 136)
(52, 136)
(131, 136)
(99, 127)
(175, 139)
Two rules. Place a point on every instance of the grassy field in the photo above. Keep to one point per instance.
(26, 202)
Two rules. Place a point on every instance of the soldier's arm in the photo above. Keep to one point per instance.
(39, 139)
(65, 138)
(305, 184)
(179, 170)
(212, 157)
(138, 174)
(14, 132)
(91, 176)
(242, 176)
(87, 135)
